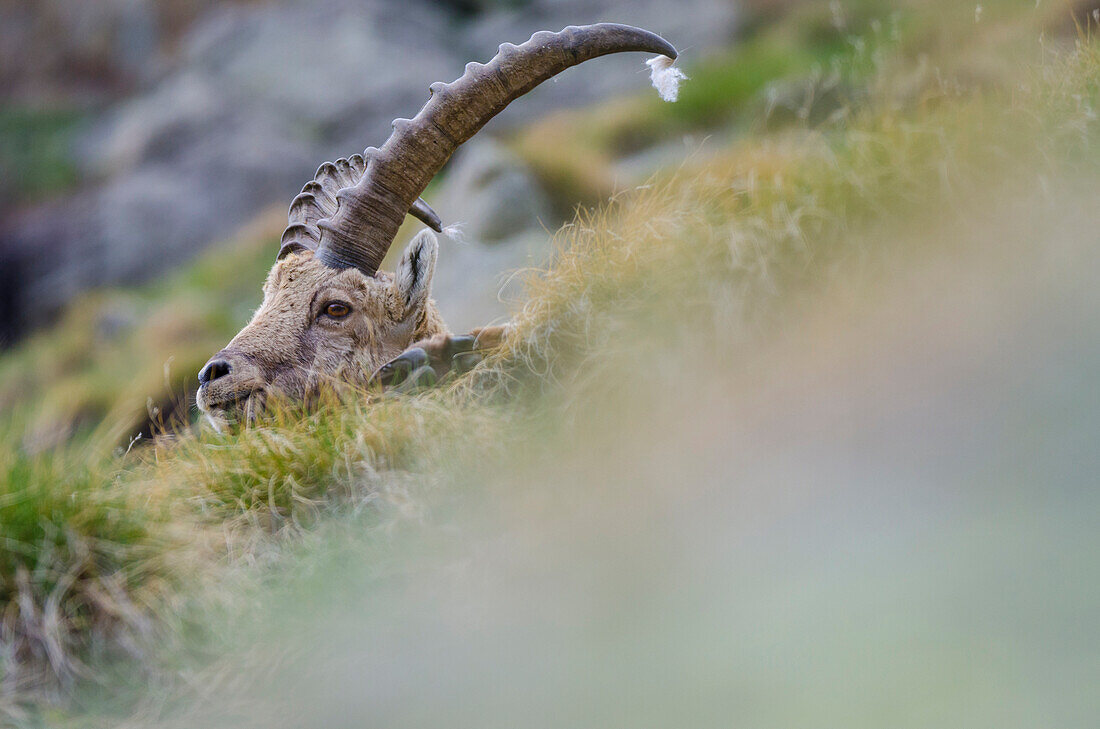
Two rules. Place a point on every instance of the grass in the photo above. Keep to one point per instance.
(84, 562)
(104, 553)
(127, 357)
(803, 69)
(34, 152)
(572, 152)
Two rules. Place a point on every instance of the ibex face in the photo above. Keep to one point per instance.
(327, 311)
(319, 324)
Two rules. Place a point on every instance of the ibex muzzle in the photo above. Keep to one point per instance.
(328, 313)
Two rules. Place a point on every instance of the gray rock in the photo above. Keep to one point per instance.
(476, 284)
(261, 96)
(504, 217)
(84, 52)
(157, 215)
(326, 69)
(640, 166)
(491, 193)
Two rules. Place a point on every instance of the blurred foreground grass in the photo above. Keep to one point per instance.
(570, 478)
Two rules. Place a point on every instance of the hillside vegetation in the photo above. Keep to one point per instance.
(847, 143)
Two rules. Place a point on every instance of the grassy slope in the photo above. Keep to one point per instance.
(98, 550)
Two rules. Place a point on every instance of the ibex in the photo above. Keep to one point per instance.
(328, 313)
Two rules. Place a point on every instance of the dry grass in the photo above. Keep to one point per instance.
(101, 553)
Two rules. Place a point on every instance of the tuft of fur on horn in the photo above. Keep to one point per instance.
(665, 77)
(455, 232)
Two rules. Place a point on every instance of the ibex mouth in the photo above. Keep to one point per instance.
(240, 406)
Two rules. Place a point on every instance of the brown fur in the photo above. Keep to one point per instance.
(291, 346)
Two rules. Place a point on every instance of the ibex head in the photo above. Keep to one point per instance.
(328, 312)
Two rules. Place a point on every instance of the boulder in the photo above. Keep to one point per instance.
(504, 217)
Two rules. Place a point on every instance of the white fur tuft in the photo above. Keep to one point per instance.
(665, 77)
(455, 233)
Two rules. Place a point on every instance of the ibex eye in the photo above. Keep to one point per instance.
(337, 310)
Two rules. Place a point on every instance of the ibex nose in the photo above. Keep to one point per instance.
(214, 369)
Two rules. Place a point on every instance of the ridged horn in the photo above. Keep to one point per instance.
(318, 201)
(368, 213)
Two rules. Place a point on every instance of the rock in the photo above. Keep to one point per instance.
(154, 217)
(76, 52)
(326, 69)
(504, 216)
(491, 193)
(262, 95)
(642, 165)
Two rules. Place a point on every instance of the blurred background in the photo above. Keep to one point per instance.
(135, 136)
(807, 423)
(138, 134)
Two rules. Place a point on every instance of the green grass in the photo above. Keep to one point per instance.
(127, 357)
(84, 560)
(692, 263)
(34, 152)
(572, 152)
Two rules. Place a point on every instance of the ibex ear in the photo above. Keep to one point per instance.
(414, 273)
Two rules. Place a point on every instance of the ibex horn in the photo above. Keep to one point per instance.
(369, 212)
(424, 213)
